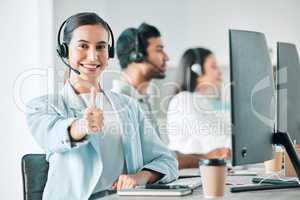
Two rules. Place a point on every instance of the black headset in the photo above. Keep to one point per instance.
(62, 48)
(136, 55)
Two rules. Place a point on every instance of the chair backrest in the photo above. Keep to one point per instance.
(34, 173)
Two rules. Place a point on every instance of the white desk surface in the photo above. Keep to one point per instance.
(289, 194)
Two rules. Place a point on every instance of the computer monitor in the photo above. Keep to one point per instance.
(252, 96)
(253, 105)
(288, 100)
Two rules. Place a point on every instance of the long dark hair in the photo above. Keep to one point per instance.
(192, 56)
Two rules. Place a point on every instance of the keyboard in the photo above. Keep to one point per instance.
(189, 182)
(273, 181)
(247, 188)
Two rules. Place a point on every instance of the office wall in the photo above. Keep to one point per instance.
(190, 23)
(196, 22)
(24, 58)
(277, 19)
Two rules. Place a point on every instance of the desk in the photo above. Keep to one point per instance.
(197, 194)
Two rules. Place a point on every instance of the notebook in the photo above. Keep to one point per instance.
(155, 192)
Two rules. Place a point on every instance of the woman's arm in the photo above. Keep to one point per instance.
(157, 157)
(77, 130)
(192, 160)
(49, 125)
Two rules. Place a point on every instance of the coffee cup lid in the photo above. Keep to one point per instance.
(213, 162)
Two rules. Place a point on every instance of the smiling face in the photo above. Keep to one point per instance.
(88, 51)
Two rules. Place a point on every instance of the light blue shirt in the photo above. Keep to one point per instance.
(75, 167)
(109, 136)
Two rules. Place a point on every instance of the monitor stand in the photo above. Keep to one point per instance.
(279, 138)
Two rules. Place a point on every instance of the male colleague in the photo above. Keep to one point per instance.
(142, 58)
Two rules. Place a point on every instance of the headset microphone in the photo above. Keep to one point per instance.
(74, 70)
(155, 66)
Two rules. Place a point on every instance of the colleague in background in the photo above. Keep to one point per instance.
(94, 140)
(142, 58)
(198, 121)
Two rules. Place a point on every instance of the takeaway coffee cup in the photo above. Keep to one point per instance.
(275, 164)
(213, 172)
(289, 170)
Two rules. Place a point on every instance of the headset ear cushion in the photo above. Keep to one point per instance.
(140, 57)
(196, 68)
(132, 57)
(136, 57)
(65, 50)
(111, 52)
(62, 50)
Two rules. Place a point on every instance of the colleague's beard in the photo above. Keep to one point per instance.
(157, 73)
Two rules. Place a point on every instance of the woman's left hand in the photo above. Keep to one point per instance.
(127, 181)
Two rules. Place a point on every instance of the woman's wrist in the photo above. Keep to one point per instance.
(143, 177)
(78, 129)
(150, 176)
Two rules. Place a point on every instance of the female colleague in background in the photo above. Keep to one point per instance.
(198, 121)
(94, 140)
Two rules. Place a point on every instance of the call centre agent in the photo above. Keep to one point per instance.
(94, 140)
(198, 121)
(142, 58)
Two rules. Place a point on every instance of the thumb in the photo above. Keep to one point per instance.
(93, 97)
(114, 185)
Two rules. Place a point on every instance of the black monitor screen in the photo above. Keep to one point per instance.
(252, 96)
(288, 74)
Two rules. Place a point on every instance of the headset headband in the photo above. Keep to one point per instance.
(111, 49)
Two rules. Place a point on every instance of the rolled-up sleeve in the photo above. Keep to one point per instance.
(49, 127)
(156, 155)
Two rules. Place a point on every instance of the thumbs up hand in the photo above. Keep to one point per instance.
(91, 123)
(93, 116)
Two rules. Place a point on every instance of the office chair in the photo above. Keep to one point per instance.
(34, 173)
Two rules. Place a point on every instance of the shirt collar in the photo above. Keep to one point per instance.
(71, 98)
(123, 87)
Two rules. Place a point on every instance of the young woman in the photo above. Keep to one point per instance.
(198, 121)
(95, 140)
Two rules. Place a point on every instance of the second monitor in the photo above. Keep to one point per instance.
(253, 105)
(288, 100)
